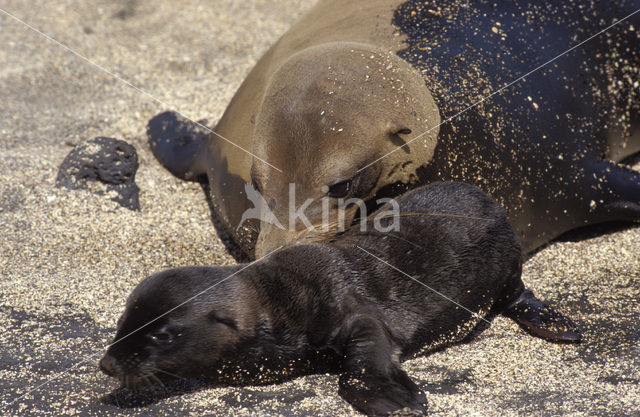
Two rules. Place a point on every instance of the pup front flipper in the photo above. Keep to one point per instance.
(371, 379)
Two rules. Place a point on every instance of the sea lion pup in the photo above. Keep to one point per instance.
(343, 307)
(330, 104)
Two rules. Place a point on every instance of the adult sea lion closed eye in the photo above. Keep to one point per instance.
(334, 307)
(351, 81)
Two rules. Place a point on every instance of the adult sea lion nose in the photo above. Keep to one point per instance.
(271, 238)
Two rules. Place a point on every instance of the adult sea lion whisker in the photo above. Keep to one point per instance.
(393, 235)
(373, 217)
(407, 214)
(389, 234)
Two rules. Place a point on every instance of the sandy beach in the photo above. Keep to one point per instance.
(69, 259)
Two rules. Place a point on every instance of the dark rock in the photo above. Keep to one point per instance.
(102, 166)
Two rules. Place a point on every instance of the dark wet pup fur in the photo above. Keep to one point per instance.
(336, 308)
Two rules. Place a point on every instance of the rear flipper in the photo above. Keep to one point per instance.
(180, 145)
(540, 320)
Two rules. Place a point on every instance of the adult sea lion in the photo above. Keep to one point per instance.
(326, 108)
(335, 307)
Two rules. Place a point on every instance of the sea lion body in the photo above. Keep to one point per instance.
(540, 147)
(543, 147)
(335, 307)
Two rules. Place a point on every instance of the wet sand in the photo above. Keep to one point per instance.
(68, 259)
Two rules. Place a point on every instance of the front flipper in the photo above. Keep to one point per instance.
(371, 379)
(179, 144)
(540, 320)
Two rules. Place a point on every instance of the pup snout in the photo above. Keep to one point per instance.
(109, 366)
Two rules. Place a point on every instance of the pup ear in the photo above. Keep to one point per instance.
(402, 131)
(223, 318)
(395, 134)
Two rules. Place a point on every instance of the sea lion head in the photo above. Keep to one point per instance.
(332, 119)
(168, 331)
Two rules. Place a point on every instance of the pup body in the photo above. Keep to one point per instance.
(342, 307)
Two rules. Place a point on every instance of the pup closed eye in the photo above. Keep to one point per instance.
(218, 317)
